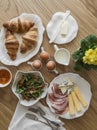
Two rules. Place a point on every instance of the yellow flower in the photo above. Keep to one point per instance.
(90, 57)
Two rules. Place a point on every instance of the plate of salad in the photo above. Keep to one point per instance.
(29, 87)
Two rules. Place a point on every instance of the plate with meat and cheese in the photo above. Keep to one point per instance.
(69, 95)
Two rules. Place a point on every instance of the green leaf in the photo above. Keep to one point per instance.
(89, 42)
(77, 55)
(92, 38)
(19, 91)
(78, 66)
(85, 44)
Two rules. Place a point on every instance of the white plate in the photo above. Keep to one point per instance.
(84, 87)
(21, 100)
(72, 28)
(4, 57)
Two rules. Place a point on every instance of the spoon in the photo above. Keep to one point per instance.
(43, 113)
(34, 117)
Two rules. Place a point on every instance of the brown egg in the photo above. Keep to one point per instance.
(50, 65)
(44, 55)
(37, 64)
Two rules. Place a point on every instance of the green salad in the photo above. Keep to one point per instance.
(86, 56)
(30, 86)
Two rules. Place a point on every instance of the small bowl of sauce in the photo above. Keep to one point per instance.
(5, 76)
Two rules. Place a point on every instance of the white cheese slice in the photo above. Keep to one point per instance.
(64, 28)
(63, 89)
(69, 82)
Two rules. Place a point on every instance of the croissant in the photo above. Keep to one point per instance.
(11, 44)
(19, 26)
(29, 40)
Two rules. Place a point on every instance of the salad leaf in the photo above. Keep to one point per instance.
(30, 86)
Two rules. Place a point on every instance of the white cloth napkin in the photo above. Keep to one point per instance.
(21, 122)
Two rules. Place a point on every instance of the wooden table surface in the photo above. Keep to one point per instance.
(85, 12)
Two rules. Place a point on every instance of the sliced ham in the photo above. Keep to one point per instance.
(58, 100)
(56, 88)
(61, 112)
(57, 92)
(62, 106)
(55, 100)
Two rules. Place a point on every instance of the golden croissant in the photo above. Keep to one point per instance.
(11, 44)
(29, 40)
(19, 26)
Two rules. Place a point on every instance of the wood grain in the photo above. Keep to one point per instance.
(85, 12)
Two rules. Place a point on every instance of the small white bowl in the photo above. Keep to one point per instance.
(62, 55)
(5, 68)
(31, 101)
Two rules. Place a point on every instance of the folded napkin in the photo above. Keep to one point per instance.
(21, 122)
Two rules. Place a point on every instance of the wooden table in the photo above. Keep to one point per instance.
(85, 12)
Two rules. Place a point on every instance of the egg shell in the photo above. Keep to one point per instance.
(44, 55)
(50, 65)
(37, 64)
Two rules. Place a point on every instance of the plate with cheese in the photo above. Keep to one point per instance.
(69, 95)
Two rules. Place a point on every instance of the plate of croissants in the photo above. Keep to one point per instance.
(20, 39)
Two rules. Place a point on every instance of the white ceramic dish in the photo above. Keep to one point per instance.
(32, 101)
(71, 32)
(62, 55)
(4, 57)
(84, 87)
(5, 68)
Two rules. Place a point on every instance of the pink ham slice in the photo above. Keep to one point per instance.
(61, 107)
(59, 101)
(57, 92)
(61, 112)
(55, 100)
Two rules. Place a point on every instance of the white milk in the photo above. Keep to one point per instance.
(62, 55)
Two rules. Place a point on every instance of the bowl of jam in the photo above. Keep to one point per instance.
(5, 76)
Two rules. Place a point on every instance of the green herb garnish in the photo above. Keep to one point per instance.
(30, 86)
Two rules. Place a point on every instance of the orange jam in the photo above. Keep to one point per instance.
(4, 76)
